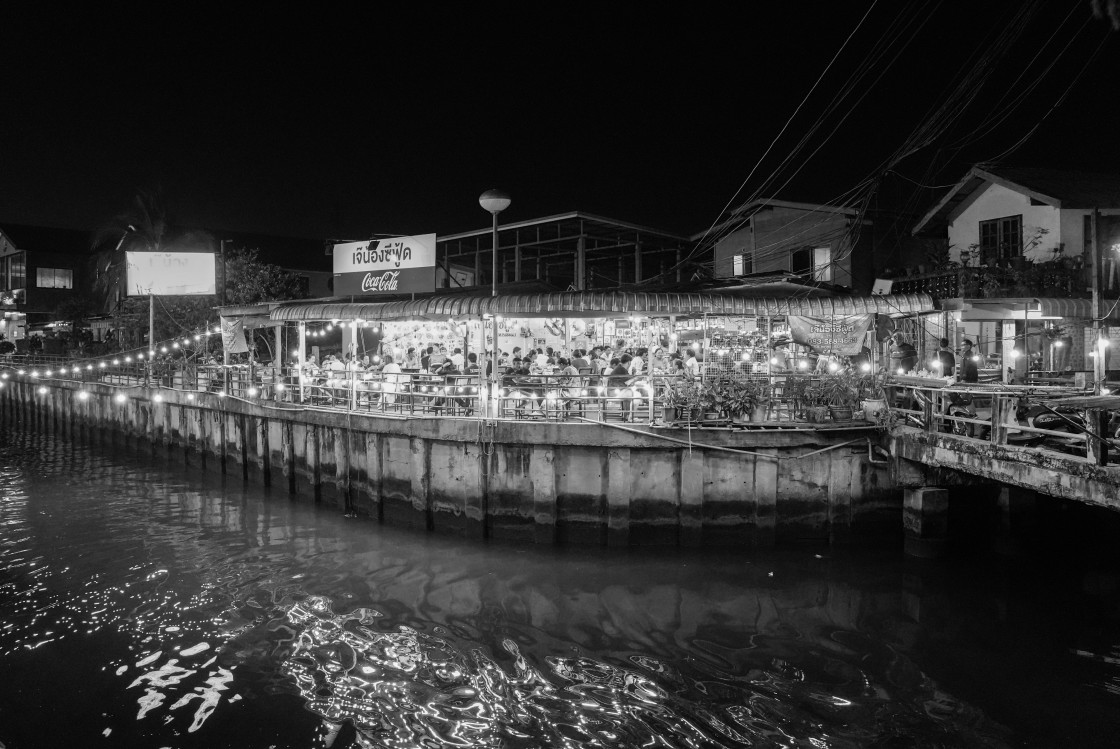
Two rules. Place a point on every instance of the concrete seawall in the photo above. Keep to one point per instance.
(537, 482)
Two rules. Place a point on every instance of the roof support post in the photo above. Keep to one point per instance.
(1100, 355)
(638, 261)
(581, 264)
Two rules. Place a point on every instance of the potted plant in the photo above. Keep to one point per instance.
(711, 401)
(747, 399)
(873, 394)
(815, 403)
(682, 402)
(796, 390)
(840, 392)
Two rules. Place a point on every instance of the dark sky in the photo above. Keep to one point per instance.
(331, 124)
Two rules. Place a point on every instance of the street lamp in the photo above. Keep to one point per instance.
(494, 201)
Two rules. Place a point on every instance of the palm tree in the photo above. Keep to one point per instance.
(141, 228)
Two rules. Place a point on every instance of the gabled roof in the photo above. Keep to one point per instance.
(1055, 187)
(748, 209)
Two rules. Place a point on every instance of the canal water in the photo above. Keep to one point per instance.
(145, 604)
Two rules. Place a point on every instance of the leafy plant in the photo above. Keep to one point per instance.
(839, 389)
(743, 396)
(712, 396)
(684, 395)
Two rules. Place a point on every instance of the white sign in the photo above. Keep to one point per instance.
(170, 273)
(385, 266)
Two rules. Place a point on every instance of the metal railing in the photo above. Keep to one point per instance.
(1052, 419)
(651, 399)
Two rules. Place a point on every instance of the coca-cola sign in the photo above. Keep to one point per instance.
(385, 266)
(387, 281)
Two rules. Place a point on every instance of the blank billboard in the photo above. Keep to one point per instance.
(170, 273)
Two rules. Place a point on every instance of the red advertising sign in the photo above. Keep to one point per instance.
(385, 266)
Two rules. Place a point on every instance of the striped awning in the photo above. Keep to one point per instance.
(606, 304)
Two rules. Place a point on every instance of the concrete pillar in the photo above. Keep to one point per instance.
(618, 497)
(1016, 509)
(542, 478)
(692, 498)
(925, 519)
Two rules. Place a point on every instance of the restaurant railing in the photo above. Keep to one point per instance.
(651, 399)
(1063, 420)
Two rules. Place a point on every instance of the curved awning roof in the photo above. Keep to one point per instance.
(605, 304)
(1036, 308)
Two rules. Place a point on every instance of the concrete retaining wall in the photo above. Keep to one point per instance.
(526, 481)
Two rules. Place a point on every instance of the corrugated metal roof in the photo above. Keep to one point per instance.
(606, 303)
(1081, 309)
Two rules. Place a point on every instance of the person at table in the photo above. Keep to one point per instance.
(692, 364)
(426, 359)
(579, 360)
(903, 356)
(472, 363)
(391, 380)
(970, 372)
(946, 359)
(618, 385)
(568, 380)
(412, 358)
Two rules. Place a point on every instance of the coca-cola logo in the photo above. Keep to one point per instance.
(386, 281)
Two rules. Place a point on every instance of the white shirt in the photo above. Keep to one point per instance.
(457, 360)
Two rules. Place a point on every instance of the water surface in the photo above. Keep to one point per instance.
(143, 604)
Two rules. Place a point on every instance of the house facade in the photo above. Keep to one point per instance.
(820, 243)
(996, 214)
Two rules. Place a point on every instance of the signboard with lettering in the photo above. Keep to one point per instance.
(841, 335)
(169, 273)
(397, 265)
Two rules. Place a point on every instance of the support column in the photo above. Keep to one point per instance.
(618, 497)
(925, 519)
(1016, 507)
(637, 262)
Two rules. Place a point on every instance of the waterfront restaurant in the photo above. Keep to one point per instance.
(726, 333)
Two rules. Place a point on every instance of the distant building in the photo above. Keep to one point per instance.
(821, 243)
(997, 213)
(40, 269)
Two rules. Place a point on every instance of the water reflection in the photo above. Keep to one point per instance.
(206, 612)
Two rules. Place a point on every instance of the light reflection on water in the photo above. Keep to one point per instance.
(165, 608)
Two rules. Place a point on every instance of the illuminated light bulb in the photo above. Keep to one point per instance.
(1013, 353)
(163, 349)
(833, 366)
(128, 359)
(935, 363)
(901, 370)
(280, 387)
(865, 367)
(217, 330)
(1106, 391)
(120, 398)
(221, 393)
(101, 365)
(773, 359)
(62, 370)
(4, 376)
(43, 390)
(190, 396)
(198, 338)
(157, 398)
(1, 384)
(140, 357)
(82, 395)
(175, 345)
(802, 364)
(976, 358)
(116, 362)
(34, 373)
(22, 372)
(330, 327)
(253, 392)
(1057, 344)
(47, 373)
(89, 367)
(295, 352)
(376, 359)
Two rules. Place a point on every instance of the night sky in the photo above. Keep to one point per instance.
(342, 125)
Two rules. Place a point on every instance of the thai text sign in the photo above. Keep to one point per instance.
(169, 273)
(385, 266)
(841, 335)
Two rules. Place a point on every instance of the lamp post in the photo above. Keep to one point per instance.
(494, 201)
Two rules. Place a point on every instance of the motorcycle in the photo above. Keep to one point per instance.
(979, 407)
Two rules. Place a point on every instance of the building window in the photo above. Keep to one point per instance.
(814, 262)
(743, 263)
(1002, 237)
(54, 278)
